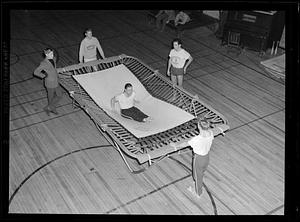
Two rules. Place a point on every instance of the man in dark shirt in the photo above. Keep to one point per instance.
(47, 71)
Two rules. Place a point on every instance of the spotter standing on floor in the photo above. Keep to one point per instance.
(47, 71)
(179, 60)
(88, 48)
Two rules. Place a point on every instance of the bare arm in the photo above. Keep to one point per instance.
(112, 103)
(169, 66)
(190, 59)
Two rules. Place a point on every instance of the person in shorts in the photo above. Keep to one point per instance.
(179, 60)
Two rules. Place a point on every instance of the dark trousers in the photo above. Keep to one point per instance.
(200, 164)
(162, 19)
(54, 96)
(134, 113)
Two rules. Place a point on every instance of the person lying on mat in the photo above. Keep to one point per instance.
(127, 101)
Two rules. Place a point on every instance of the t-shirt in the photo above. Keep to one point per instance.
(182, 18)
(124, 101)
(178, 58)
(201, 145)
(88, 48)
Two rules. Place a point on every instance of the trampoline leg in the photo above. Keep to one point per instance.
(127, 164)
(75, 104)
(119, 150)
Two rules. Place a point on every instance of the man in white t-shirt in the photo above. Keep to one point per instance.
(127, 101)
(88, 48)
(201, 145)
(179, 60)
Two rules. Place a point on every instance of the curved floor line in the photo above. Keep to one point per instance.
(18, 58)
(21, 81)
(206, 188)
(145, 195)
(51, 161)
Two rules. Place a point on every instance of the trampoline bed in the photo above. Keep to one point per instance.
(92, 85)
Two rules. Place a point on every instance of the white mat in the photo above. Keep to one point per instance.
(105, 84)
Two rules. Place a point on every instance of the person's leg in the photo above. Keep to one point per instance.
(160, 19)
(164, 22)
(133, 113)
(200, 165)
(50, 96)
(180, 80)
(177, 78)
(139, 115)
(125, 114)
(174, 81)
(57, 97)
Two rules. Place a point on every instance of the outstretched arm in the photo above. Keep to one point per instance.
(180, 145)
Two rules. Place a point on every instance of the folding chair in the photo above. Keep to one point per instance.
(233, 42)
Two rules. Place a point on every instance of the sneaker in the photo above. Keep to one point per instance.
(54, 111)
(46, 109)
(192, 190)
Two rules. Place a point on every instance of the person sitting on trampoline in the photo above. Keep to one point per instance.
(127, 101)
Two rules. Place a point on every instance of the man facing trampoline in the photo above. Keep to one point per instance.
(47, 71)
(201, 145)
(127, 101)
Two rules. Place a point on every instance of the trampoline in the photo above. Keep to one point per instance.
(92, 85)
(275, 67)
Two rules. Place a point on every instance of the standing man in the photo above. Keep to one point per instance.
(201, 145)
(88, 47)
(47, 71)
(179, 60)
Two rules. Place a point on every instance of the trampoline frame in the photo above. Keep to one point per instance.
(152, 148)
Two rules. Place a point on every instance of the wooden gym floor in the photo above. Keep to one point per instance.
(62, 164)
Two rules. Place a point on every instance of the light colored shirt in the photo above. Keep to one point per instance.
(201, 145)
(125, 101)
(88, 48)
(182, 18)
(178, 58)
